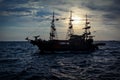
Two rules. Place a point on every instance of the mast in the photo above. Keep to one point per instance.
(87, 28)
(53, 33)
(70, 28)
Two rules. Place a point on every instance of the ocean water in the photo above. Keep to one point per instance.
(22, 61)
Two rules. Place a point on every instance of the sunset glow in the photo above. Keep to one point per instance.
(76, 19)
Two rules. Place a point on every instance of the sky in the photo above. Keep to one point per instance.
(26, 18)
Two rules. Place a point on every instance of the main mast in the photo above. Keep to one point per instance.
(87, 28)
(70, 28)
(53, 33)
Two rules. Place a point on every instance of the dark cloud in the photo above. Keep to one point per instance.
(8, 2)
(113, 8)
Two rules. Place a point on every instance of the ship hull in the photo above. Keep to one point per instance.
(62, 45)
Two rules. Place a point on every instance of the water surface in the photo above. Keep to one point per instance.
(22, 61)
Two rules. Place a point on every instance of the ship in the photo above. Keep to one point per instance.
(73, 42)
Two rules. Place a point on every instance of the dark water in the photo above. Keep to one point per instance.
(21, 61)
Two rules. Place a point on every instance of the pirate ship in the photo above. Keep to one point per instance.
(83, 42)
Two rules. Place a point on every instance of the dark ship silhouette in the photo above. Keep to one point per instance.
(83, 42)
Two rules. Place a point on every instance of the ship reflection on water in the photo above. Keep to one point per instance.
(20, 61)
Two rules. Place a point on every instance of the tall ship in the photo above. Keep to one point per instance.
(73, 42)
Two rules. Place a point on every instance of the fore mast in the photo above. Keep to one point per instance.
(53, 33)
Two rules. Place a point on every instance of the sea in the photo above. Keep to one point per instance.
(20, 60)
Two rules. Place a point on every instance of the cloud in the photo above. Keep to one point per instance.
(104, 13)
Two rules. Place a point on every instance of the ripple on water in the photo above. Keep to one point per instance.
(19, 61)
